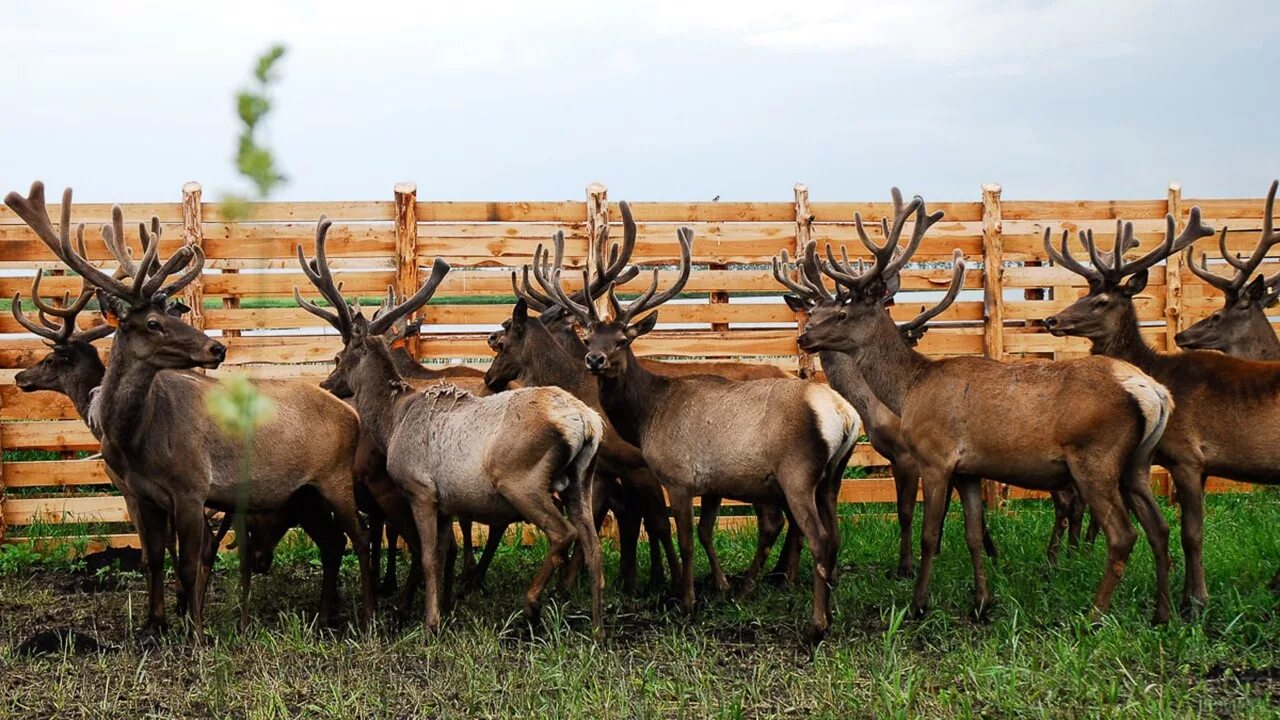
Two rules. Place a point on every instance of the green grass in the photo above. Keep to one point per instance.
(1035, 656)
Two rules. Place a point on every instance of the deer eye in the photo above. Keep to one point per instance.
(1101, 301)
(154, 325)
(842, 315)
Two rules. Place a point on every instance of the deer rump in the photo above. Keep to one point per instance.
(287, 452)
(726, 437)
(453, 438)
(1070, 408)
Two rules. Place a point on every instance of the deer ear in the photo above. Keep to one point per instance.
(1135, 284)
(795, 303)
(176, 309)
(643, 327)
(1254, 291)
(875, 292)
(520, 314)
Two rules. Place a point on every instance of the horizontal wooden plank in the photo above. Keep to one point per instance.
(55, 473)
(1083, 209)
(41, 405)
(47, 435)
(872, 212)
(57, 510)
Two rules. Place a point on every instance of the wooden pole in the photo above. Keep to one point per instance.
(1173, 274)
(406, 278)
(193, 234)
(993, 296)
(804, 233)
(597, 228)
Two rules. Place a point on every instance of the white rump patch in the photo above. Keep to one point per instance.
(1154, 400)
(838, 422)
(95, 410)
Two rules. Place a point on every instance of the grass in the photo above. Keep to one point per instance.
(1036, 655)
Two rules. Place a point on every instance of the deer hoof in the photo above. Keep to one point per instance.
(532, 610)
(902, 572)
(816, 634)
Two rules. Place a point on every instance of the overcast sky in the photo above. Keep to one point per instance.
(673, 100)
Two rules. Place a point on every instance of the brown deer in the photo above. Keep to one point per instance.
(158, 436)
(1227, 407)
(496, 459)
(882, 425)
(74, 369)
(549, 352)
(778, 441)
(1241, 327)
(1108, 417)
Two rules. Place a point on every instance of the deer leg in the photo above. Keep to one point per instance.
(682, 508)
(937, 491)
(802, 500)
(603, 489)
(706, 537)
(537, 508)
(788, 564)
(1143, 503)
(193, 535)
(1091, 535)
(154, 532)
(1107, 504)
(1074, 520)
(971, 499)
(583, 521)
(447, 546)
(468, 546)
(341, 500)
(1061, 513)
(906, 485)
(769, 523)
(1189, 481)
(330, 541)
(426, 518)
(658, 524)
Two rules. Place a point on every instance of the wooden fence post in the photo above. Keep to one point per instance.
(193, 234)
(804, 233)
(406, 278)
(993, 296)
(597, 225)
(1172, 298)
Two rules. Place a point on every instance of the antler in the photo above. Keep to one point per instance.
(650, 298)
(1110, 271)
(1267, 239)
(317, 271)
(888, 259)
(915, 329)
(62, 333)
(439, 269)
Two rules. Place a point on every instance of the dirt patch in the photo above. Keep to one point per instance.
(57, 641)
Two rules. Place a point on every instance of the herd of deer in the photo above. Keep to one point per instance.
(568, 423)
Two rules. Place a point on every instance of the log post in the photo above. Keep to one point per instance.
(1172, 299)
(804, 233)
(1173, 274)
(406, 278)
(193, 234)
(597, 228)
(992, 296)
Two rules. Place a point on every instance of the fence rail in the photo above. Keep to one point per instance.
(731, 308)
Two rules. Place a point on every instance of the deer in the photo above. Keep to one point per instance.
(1099, 442)
(73, 368)
(1240, 327)
(882, 426)
(1226, 406)
(700, 436)
(497, 459)
(157, 435)
(551, 352)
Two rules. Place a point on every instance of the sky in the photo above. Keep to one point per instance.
(668, 100)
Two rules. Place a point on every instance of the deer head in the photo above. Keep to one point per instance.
(1242, 322)
(73, 362)
(1107, 310)
(609, 339)
(855, 314)
(362, 339)
(149, 328)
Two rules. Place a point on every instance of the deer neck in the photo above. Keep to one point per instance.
(80, 390)
(631, 399)
(406, 365)
(1260, 344)
(888, 366)
(1126, 343)
(843, 375)
(546, 360)
(378, 391)
(123, 405)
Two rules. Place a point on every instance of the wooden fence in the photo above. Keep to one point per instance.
(735, 310)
